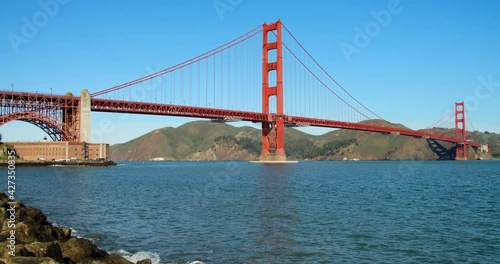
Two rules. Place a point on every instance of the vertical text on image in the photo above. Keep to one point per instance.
(11, 211)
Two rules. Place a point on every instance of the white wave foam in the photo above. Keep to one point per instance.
(138, 256)
(196, 262)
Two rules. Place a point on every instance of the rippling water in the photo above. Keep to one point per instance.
(311, 212)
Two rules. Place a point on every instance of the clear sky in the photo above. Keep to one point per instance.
(427, 56)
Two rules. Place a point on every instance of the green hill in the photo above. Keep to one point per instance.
(203, 140)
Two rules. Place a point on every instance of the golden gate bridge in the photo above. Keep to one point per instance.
(264, 76)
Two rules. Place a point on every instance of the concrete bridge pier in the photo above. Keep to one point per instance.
(84, 116)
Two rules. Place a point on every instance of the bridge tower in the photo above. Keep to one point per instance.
(75, 119)
(460, 131)
(84, 110)
(273, 130)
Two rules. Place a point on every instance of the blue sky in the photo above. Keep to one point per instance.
(428, 56)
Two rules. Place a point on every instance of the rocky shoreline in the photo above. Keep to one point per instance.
(48, 163)
(38, 241)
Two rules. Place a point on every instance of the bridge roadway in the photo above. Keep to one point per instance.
(117, 106)
(33, 101)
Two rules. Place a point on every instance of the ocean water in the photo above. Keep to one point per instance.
(311, 212)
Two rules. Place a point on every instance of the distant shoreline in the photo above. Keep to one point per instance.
(48, 163)
(300, 160)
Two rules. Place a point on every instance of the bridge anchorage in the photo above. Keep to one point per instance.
(206, 86)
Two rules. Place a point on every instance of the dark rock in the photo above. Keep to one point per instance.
(45, 233)
(50, 233)
(34, 215)
(37, 241)
(5, 249)
(28, 260)
(117, 259)
(144, 261)
(32, 226)
(48, 249)
(78, 249)
(66, 232)
(112, 259)
(25, 233)
(3, 217)
(22, 251)
(3, 197)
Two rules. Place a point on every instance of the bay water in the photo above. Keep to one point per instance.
(310, 212)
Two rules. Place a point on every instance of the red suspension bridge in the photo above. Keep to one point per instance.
(244, 79)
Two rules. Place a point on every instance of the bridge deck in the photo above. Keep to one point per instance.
(10, 99)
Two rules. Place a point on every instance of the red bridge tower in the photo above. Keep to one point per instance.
(273, 130)
(460, 132)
